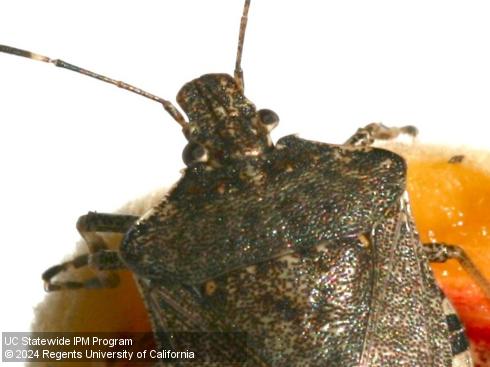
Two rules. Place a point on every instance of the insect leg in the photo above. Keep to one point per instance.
(99, 258)
(89, 224)
(102, 260)
(376, 131)
(441, 252)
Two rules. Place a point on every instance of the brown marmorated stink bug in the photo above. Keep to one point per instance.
(308, 248)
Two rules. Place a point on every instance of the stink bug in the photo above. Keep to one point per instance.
(354, 209)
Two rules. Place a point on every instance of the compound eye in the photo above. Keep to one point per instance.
(268, 118)
(193, 153)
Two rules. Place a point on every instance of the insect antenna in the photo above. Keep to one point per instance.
(169, 107)
(241, 39)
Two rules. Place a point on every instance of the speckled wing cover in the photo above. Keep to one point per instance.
(315, 256)
(406, 323)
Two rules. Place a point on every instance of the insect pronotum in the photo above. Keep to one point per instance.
(322, 109)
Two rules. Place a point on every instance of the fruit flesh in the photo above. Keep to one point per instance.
(451, 202)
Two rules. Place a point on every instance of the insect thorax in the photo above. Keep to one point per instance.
(222, 120)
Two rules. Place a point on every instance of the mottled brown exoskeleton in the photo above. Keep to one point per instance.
(308, 248)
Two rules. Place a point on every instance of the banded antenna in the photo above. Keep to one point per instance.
(241, 40)
(167, 105)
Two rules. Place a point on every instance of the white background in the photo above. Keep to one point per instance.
(70, 144)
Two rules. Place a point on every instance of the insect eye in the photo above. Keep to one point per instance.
(194, 152)
(269, 118)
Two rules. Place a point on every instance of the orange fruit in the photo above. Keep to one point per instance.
(451, 203)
